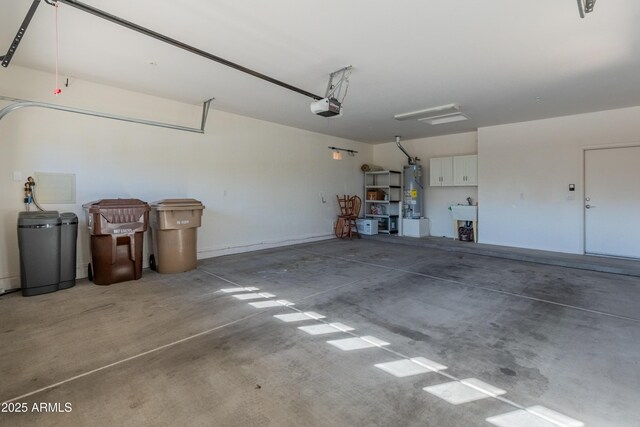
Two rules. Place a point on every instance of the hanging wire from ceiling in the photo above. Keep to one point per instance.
(57, 90)
(166, 39)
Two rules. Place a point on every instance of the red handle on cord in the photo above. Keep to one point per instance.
(57, 90)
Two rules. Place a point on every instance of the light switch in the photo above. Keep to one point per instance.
(17, 175)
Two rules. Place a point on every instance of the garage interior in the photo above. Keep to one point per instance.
(532, 321)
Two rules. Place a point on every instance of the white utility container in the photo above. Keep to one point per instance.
(415, 227)
(367, 226)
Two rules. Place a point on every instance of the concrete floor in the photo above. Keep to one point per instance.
(173, 350)
(603, 264)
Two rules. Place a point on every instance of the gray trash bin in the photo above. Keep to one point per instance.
(68, 239)
(39, 246)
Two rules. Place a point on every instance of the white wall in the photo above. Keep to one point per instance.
(437, 199)
(260, 182)
(524, 174)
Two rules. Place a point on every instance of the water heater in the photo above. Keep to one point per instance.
(412, 200)
(413, 194)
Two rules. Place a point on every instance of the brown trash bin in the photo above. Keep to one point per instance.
(174, 224)
(117, 229)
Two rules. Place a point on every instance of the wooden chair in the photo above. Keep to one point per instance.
(349, 212)
(341, 223)
(355, 203)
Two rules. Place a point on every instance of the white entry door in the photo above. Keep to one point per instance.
(612, 201)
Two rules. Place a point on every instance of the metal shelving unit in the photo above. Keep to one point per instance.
(382, 199)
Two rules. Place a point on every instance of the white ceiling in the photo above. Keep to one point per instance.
(503, 61)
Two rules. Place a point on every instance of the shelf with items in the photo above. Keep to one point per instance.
(383, 195)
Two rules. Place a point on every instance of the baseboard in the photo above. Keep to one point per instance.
(9, 283)
(250, 247)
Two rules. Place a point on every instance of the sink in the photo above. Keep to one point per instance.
(464, 212)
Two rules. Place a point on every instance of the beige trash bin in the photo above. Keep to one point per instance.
(174, 224)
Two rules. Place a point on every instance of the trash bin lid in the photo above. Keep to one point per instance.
(68, 218)
(32, 219)
(177, 204)
(116, 211)
(98, 205)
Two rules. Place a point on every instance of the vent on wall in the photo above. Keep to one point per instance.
(435, 116)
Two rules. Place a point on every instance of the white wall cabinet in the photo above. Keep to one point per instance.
(453, 171)
(441, 171)
(465, 170)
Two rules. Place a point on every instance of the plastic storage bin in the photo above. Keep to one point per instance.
(174, 224)
(117, 229)
(39, 247)
(367, 226)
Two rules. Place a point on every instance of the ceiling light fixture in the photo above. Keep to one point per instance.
(459, 117)
(430, 113)
(448, 113)
(585, 6)
(337, 155)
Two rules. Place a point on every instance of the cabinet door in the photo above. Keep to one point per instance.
(447, 171)
(471, 170)
(435, 172)
(459, 170)
(465, 170)
(441, 171)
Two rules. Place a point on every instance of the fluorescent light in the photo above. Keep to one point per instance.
(445, 119)
(429, 113)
